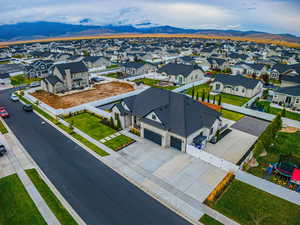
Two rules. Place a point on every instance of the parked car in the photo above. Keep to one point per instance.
(35, 84)
(14, 98)
(28, 108)
(2, 149)
(3, 112)
(96, 79)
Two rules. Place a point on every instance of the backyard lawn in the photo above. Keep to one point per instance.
(207, 220)
(275, 111)
(226, 98)
(231, 115)
(90, 124)
(17, 208)
(119, 141)
(285, 143)
(54, 204)
(248, 205)
(154, 83)
(21, 79)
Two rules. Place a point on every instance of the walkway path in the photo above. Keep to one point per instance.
(40, 203)
(267, 186)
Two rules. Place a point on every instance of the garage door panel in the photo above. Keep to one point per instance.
(176, 143)
(152, 136)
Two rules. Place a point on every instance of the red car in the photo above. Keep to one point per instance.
(3, 112)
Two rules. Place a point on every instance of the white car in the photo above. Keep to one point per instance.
(14, 98)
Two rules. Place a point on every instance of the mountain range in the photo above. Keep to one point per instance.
(43, 29)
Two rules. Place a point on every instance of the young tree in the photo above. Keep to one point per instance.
(208, 96)
(112, 124)
(197, 96)
(258, 149)
(203, 95)
(214, 99)
(283, 113)
(193, 92)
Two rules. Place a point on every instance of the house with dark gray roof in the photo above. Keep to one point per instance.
(182, 73)
(96, 62)
(236, 85)
(288, 97)
(73, 75)
(137, 68)
(168, 119)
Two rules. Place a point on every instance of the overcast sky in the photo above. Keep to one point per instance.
(276, 16)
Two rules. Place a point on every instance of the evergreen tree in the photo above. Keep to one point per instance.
(283, 113)
(214, 99)
(208, 96)
(193, 92)
(203, 95)
(220, 99)
(258, 148)
(197, 96)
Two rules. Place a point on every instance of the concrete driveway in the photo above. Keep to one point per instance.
(232, 146)
(251, 125)
(177, 178)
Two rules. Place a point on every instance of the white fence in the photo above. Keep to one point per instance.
(211, 159)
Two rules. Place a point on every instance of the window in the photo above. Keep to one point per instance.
(153, 117)
(243, 90)
(218, 86)
(211, 131)
(237, 89)
(297, 100)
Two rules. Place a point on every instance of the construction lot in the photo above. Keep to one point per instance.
(99, 91)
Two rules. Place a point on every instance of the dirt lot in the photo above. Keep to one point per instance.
(101, 91)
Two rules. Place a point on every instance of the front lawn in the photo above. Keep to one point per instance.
(21, 80)
(54, 204)
(119, 142)
(248, 205)
(235, 116)
(90, 124)
(3, 129)
(17, 208)
(207, 220)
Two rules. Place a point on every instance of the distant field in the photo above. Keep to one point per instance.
(257, 40)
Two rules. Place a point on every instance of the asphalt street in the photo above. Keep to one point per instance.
(97, 193)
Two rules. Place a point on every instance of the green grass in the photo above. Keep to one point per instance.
(154, 83)
(5, 62)
(79, 138)
(226, 98)
(112, 67)
(118, 141)
(112, 75)
(231, 115)
(90, 124)
(17, 208)
(275, 111)
(3, 129)
(245, 204)
(21, 80)
(233, 99)
(207, 220)
(54, 204)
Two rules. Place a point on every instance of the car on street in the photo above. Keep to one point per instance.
(28, 108)
(3, 112)
(35, 84)
(2, 149)
(14, 97)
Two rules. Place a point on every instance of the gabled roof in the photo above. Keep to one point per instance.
(52, 80)
(178, 113)
(135, 65)
(74, 67)
(178, 69)
(294, 91)
(236, 80)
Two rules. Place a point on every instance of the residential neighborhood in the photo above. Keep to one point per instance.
(150, 130)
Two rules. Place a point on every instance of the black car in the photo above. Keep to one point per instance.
(27, 108)
(2, 150)
(96, 79)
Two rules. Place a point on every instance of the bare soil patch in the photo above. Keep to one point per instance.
(100, 91)
(290, 130)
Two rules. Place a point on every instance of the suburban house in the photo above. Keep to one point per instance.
(168, 119)
(182, 73)
(96, 62)
(236, 85)
(288, 97)
(137, 68)
(39, 68)
(66, 77)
